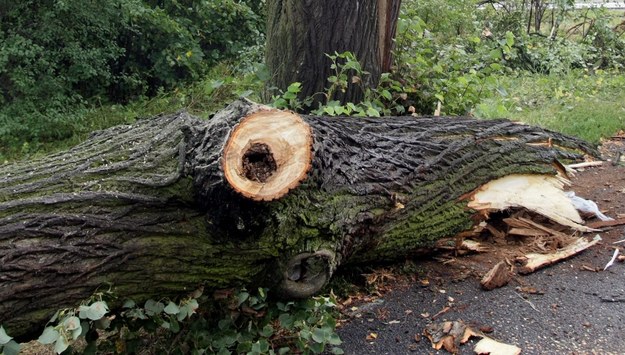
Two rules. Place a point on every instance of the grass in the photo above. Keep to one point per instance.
(583, 104)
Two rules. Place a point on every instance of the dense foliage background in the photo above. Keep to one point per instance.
(59, 57)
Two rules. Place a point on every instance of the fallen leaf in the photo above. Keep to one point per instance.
(372, 336)
(449, 335)
(486, 329)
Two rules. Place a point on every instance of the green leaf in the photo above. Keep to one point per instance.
(49, 336)
(243, 296)
(76, 333)
(318, 335)
(97, 310)
(387, 95)
(305, 334)
(295, 87)
(193, 306)
(373, 112)
(152, 307)
(337, 351)
(509, 39)
(329, 110)
(495, 54)
(61, 345)
(267, 331)
(83, 311)
(317, 348)
(184, 312)
(11, 348)
(129, 304)
(71, 323)
(256, 348)
(4, 337)
(174, 326)
(334, 339)
(172, 308)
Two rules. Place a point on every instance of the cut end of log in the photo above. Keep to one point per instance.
(268, 153)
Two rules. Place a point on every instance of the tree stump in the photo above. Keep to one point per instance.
(253, 196)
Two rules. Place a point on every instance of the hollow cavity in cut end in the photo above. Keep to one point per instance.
(268, 153)
(258, 163)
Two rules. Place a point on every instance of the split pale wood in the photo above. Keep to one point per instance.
(584, 165)
(532, 262)
(542, 194)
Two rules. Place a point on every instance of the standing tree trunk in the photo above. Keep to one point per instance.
(301, 33)
(254, 196)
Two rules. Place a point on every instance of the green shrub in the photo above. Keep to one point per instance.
(443, 67)
(57, 56)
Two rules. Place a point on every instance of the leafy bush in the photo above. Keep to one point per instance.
(59, 55)
(384, 100)
(442, 67)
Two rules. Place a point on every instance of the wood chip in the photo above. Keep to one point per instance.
(532, 262)
(522, 223)
(497, 277)
(491, 346)
(603, 224)
(584, 165)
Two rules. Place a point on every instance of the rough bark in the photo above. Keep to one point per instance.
(301, 33)
(146, 209)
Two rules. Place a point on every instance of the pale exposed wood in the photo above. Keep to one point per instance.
(289, 140)
(527, 232)
(496, 277)
(584, 165)
(533, 261)
(522, 224)
(491, 346)
(542, 194)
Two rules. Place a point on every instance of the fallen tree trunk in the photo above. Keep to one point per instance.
(251, 196)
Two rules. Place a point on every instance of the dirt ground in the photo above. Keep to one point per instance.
(572, 307)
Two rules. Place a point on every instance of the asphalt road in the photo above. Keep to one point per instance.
(580, 312)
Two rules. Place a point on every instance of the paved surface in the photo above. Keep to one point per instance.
(580, 312)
